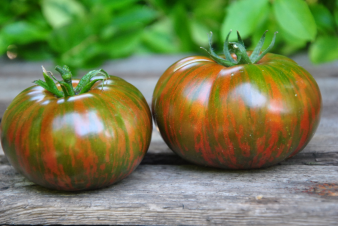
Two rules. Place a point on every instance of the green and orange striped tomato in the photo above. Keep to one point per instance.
(81, 142)
(239, 117)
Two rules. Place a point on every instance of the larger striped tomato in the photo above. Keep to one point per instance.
(239, 112)
(86, 137)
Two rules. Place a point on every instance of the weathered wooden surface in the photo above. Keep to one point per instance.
(165, 189)
(185, 194)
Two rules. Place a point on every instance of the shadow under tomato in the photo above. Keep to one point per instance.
(175, 160)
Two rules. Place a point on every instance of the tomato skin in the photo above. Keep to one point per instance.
(81, 142)
(240, 117)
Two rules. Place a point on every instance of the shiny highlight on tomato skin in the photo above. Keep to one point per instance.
(239, 117)
(82, 142)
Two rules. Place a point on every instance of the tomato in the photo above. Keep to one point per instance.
(85, 140)
(235, 113)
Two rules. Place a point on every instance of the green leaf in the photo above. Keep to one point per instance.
(124, 44)
(208, 12)
(294, 17)
(324, 49)
(37, 18)
(5, 17)
(182, 28)
(22, 32)
(137, 16)
(243, 16)
(160, 5)
(336, 15)
(323, 17)
(115, 4)
(35, 51)
(88, 56)
(3, 45)
(73, 36)
(160, 38)
(61, 12)
(108, 32)
(291, 39)
(266, 24)
(4, 10)
(291, 42)
(198, 32)
(76, 44)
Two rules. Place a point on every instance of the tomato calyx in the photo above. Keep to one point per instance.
(239, 50)
(84, 85)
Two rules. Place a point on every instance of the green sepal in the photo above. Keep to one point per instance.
(214, 56)
(226, 51)
(67, 79)
(239, 49)
(234, 50)
(266, 50)
(48, 84)
(88, 86)
(67, 89)
(65, 73)
(43, 85)
(241, 53)
(66, 85)
(239, 38)
(52, 87)
(258, 48)
(85, 80)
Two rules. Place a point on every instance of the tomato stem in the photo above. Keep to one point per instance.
(225, 62)
(239, 50)
(84, 85)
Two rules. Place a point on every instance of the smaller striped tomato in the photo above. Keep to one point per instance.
(238, 111)
(91, 134)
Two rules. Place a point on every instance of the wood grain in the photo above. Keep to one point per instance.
(185, 194)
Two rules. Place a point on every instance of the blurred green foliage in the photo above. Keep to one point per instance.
(83, 34)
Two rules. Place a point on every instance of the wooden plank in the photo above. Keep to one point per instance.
(184, 194)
